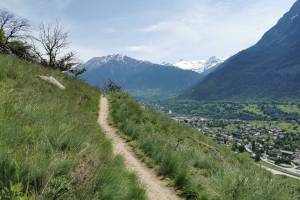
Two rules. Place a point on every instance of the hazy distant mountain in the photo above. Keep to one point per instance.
(140, 78)
(268, 70)
(199, 66)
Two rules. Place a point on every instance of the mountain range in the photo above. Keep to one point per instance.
(141, 79)
(269, 70)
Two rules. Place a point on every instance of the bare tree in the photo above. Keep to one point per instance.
(48, 47)
(5, 17)
(53, 40)
(13, 26)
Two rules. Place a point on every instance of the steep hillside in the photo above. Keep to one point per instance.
(51, 146)
(268, 70)
(140, 78)
(199, 167)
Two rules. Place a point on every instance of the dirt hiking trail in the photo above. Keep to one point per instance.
(156, 189)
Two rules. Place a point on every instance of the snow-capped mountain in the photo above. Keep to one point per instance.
(141, 79)
(199, 66)
(100, 61)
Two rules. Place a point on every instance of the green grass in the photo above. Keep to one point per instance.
(253, 108)
(289, 108)
(289, 127)
(199, 171)
(268, 110)
(51, 146)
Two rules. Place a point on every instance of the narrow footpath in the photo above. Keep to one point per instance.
(156, 189)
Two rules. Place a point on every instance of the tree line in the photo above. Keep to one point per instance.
(47, 45)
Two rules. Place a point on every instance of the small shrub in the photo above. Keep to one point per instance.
(21, 50)
(2, 37)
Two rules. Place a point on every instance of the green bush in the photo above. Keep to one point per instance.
(21, 49)
(2, 37)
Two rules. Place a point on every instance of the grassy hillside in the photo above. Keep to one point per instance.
(51, 146)
(196, 165)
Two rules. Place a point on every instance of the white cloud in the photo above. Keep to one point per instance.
(208, 29)
(168, 31)
(109, 30)
(85, 53)
(139, 48)
(152, 28)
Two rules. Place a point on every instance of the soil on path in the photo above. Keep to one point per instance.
(156, 188)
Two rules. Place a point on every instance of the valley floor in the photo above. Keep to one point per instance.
(155, 187)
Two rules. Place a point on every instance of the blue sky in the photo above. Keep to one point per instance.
(156, 30)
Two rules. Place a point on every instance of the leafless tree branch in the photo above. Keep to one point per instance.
(54, 39)
(13, 26)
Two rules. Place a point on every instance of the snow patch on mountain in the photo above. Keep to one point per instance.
(100, 61)
(294, 17)
(199, 66)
